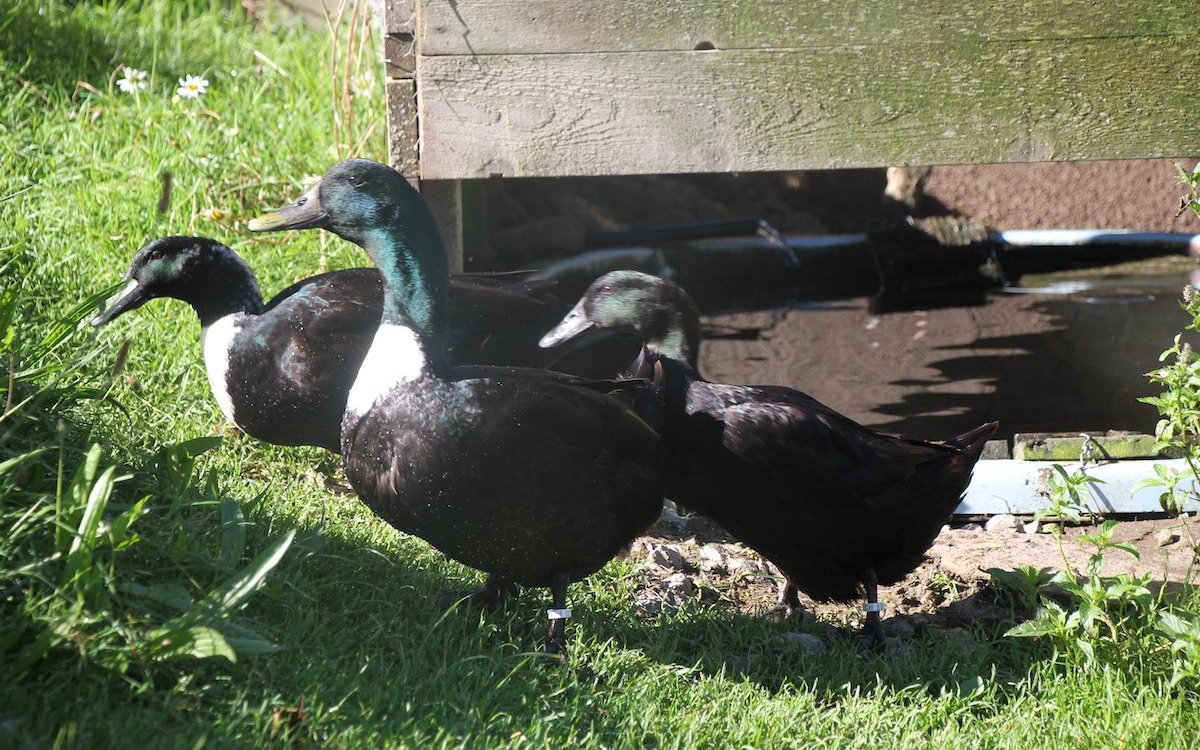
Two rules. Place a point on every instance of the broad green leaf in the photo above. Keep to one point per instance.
(234, 592)
(233, 532)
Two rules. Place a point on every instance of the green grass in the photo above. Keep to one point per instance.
(367, 657)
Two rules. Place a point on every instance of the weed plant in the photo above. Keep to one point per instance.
(165, 582)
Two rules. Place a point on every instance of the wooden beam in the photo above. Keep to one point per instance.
(828, 107)
(403, 153)
(1059, 447)
(458, 207)
(492, 27)
(399, 40)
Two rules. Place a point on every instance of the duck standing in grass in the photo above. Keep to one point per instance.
(834, 505)
(281, 371)
(534, 477)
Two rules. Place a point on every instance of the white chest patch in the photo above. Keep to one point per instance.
(214, 342)
(395, 357)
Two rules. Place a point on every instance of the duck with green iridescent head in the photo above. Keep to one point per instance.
(534, 477)
(834, 505)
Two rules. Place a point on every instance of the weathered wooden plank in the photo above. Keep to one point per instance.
(399, 46)
(488, 27)
(662, 112)
(399, 17)
(402, 127)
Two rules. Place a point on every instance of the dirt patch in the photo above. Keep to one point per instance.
(692, 564)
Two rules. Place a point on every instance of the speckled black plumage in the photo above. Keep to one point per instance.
(294, 359)
(833, 504)
(532, 476)
(515, 473)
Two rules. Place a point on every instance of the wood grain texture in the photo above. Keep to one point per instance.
(820, 107)
(489, 27)
(402, 127)
(399, 17)
(399, 46)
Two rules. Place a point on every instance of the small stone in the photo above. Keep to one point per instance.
(670, 517)
(970, 527)
(680, 586)
(712, 560)
(1033, 527)
(738, 565)
(810, 644)
(1004, 522)
(1167, 537)
(666, 556)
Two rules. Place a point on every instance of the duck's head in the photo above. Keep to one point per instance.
(373, 206)
(356, 200)
(658, 311)
(198, 270)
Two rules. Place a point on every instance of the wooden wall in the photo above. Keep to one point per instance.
(592, 87)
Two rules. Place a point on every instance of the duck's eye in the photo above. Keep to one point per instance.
(606, 290)
(356, 180)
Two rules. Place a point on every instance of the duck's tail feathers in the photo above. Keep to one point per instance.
(970, 444)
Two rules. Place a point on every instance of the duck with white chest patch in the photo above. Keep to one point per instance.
(281, 371)
(536, 478)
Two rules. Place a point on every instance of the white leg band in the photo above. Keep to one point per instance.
(558, 614)
(874, 607)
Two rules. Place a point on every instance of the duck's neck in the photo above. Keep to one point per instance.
(415, 277)
(222, 288)
(677, 336)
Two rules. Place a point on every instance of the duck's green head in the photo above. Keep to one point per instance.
(198, 270)
(358, 200)
(656, 310)
(373, 206)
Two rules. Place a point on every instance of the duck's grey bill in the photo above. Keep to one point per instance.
(305, 213)
(132, 297)
(575, 323)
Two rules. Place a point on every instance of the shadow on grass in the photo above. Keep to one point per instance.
(51, 46)
(936, 651)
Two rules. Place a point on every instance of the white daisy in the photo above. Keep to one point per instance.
(362, 85)
(133, 80)
(191, 87)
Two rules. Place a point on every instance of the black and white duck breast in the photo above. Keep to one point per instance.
(515, 473)
(279, 371)
(532, 476)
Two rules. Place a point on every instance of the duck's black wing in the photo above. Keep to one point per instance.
(780, 429)
(303, 353)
